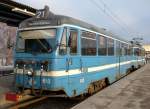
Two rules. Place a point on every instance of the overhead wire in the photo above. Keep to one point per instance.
(109, 15)
(117, 18)
(107, 11)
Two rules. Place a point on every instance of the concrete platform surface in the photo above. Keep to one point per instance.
(131, 92)
(6, 85)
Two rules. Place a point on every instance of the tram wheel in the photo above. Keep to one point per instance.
(91, 89)
(97, 86)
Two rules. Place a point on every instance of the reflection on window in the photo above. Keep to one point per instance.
(124, 49)
(20, 45)
(63, 44)
(136, 51)
(118, 50)
(36, 41)
(38, 34)
(130, 50)
(38, 45)
(73, 42)
(102, 50)
(110, 44)
(88, 42)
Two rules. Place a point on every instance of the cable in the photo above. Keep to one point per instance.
(110, 16)
(116, 17)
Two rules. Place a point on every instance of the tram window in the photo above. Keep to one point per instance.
(102, 50)
(136, 51)
(63, 47)
(110, 44)
(118, 50)
(88, 42)
(72, 41)
(122, 52)
(125, 49)
(129, 51)
(20, 44)
(139, 51)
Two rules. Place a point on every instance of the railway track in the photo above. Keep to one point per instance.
(46, 102)
(26, 103)
(56, 103)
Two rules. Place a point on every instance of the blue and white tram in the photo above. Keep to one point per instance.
(58, 53)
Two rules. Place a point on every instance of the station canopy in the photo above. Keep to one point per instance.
(13, 13)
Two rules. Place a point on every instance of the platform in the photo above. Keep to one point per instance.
(6, 85)
(131, 92)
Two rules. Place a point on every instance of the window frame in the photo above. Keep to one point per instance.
(118, 48)
(105, 45)
(77, 41)
(94, 38)
(64, 28)
(112, 45)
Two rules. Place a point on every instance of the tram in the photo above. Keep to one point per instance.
(60, 54)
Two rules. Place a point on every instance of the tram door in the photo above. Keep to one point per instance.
(74, 62)
(118, 58)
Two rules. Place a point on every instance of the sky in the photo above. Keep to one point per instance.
(127, 18)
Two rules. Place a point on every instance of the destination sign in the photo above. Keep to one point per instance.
(33, 23)
(42, 17)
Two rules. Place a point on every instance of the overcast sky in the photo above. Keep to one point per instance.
(130, 18)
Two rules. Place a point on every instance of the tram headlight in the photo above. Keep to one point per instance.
(29, 73)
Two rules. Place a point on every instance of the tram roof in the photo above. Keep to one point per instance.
(51, 19)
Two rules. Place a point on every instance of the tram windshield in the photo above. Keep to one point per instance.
(36, 41)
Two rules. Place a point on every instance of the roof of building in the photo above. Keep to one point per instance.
(13, 18)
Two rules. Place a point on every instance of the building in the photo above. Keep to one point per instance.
(7, 37)
(147, 50)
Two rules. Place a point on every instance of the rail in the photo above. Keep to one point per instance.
(26, 103)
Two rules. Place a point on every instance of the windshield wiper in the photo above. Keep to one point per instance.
(46, 48)
(42, 44)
